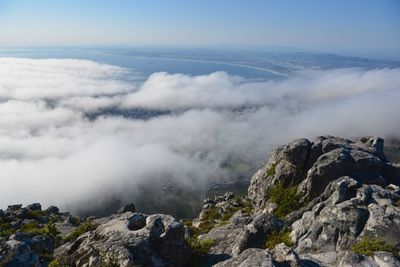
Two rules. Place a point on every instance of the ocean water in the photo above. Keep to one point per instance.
(145, 65)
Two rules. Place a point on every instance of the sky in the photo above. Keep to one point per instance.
(368, 26)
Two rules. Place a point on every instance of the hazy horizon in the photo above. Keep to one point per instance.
(360, 28)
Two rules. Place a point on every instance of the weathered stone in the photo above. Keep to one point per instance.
(256, 233)
(249, 258)
(160, 242)
(136, 221)
(34, 206)
(128, 207)
(53, 209)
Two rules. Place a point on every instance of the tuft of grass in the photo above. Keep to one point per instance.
(286, 199)
(200, 249)
(82, 228)
(397, 204)
(369, 245)
(278, 237)
(60, 262)
(271, 170)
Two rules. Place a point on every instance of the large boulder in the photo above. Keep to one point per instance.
(256, 233)
(159, 242)
(285, 165)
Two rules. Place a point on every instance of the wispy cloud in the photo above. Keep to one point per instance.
(51, 152)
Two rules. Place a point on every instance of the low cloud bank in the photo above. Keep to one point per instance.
(50, 151)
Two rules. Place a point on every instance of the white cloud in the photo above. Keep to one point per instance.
(50, 152)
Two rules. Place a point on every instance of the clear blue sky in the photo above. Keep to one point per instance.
(347, 25)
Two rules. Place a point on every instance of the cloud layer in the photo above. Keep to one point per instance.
(50, 151)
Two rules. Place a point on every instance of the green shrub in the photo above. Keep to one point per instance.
(286, 199)
(48, 229)
(76, 220)
(211, 214)
(271, 170)
(278, 237)
(200, 248)
(368, 245)
(51, 231)
(397, 204)
(83, 228)
(34, 214)
(228, 214)
(6, 229)
(32, 227)
(60, 262)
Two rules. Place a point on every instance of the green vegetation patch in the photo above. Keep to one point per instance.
(278, 237)
(369, 245)
(82, 228)
(62, 261)
(6, 229)
(272, 170)
(200, 249)
(286, 199)
(34, 214)
(397, 204)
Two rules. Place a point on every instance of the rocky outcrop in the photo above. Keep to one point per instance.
(352, 211)
(313, 165)
(28, 235)
(349, 212)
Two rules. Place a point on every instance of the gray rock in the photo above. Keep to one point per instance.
(256, 233)
(312, 166)
(285, 165)
(128, 207)
(351, 211)
(159, 243)
(136, 221)
(20, 254)
(14, 207)
(250, 258)
(34, 206)
(53, 210)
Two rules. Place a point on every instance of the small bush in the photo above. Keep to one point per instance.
(228, 214)
(279, 237)
(32, 227)
(368, 245)
(200, 248)
(211, 214)
(6, 229)
(60, 262)
(286, 199)
(34, 214)
(76, 220)
(51, 231)
(271, 170)
(83, 228)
